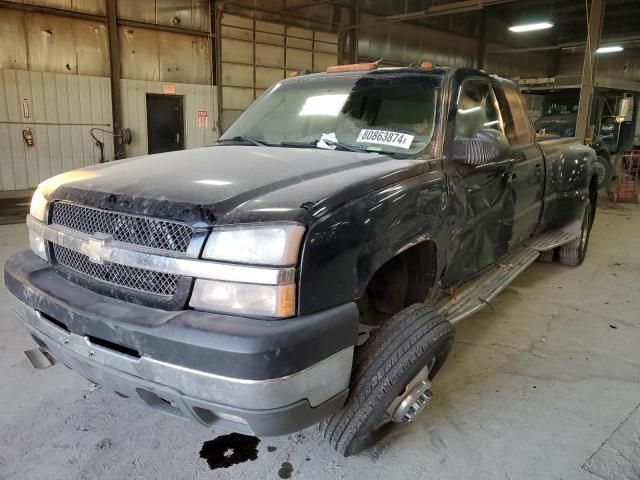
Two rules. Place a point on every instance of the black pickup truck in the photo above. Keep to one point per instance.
(310, 266)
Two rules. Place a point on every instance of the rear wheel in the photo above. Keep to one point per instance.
(392, 379)
(547, 256)
(573, 253)
(603, 171)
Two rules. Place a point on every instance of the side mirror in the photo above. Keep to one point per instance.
(486, 146)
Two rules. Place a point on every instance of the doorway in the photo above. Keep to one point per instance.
(165, 123)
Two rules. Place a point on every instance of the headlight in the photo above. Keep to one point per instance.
(269, 244)
(244, 298)
(38, 205)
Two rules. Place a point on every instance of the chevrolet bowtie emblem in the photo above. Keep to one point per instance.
(96, 249)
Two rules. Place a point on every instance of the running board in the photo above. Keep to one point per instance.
(552, 239)
(478, 292)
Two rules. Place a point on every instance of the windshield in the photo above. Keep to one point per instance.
(387, 113)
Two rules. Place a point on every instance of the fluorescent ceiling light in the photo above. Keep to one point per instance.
(529, 27)
(609, 49)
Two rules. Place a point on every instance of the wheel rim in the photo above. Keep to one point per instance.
(414, 398)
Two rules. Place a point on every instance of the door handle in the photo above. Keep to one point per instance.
(539, 170)
(178, 138)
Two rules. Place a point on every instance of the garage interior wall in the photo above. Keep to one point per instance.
(60, 66)
(262, 41)
(255, 54)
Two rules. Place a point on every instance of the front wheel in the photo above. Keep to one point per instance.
(392, 379)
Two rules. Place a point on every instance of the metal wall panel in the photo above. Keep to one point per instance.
(162, 56)
(13, 43)
(624, 65)
(139, 54)
(191, 14)
(97, 7)
(31, 41)
(528, 64)
(404, 44)
(255, 54)
(196, 97)
(140, 10)
(60, 109)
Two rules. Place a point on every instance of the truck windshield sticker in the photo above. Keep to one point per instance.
(383, 137)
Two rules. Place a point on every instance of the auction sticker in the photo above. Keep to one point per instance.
(383, 137)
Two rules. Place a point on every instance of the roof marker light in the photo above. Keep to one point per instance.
(530, 27)
(354, 67)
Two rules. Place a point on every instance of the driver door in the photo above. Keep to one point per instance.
(482, 196)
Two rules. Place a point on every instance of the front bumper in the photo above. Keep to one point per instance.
(221, 371)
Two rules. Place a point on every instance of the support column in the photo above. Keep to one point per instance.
(354, 14)
(481, 49)
(218, 9)
(594, 34)
(114, 68)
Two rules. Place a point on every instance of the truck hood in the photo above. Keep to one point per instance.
(232, 184)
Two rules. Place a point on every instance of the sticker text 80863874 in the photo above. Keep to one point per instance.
(383, 137)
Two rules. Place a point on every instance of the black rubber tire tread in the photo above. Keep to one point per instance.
(546, 257)
(571, 253)
(606, 163)
(396, 349)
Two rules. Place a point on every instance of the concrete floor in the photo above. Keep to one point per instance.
(543, 385)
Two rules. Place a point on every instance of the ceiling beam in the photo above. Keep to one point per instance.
(434, 11)
(311, 4)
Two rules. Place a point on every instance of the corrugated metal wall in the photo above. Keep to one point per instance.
(192, 14)
(256, 54)
(61, 66)
(164, 56)
(86, 6)
(196, 98)
(623, 65)
(404, 44)
(32, 41)
(60, 109)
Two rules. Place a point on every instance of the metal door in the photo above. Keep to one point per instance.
(528, 173)
(482, 197)
(165, 123)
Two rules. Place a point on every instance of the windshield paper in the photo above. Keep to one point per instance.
(383, 137)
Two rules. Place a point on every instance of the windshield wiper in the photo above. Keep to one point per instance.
(242, 138)
(314, 144)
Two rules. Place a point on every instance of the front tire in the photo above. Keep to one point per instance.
(573, 253)
(391, 381)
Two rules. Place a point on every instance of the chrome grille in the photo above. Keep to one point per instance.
(146, 281)
(147, 232)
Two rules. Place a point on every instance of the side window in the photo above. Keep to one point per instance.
(476, 108)
(517, 126)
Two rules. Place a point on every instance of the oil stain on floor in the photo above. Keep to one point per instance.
(228, 450)
(285, 470)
